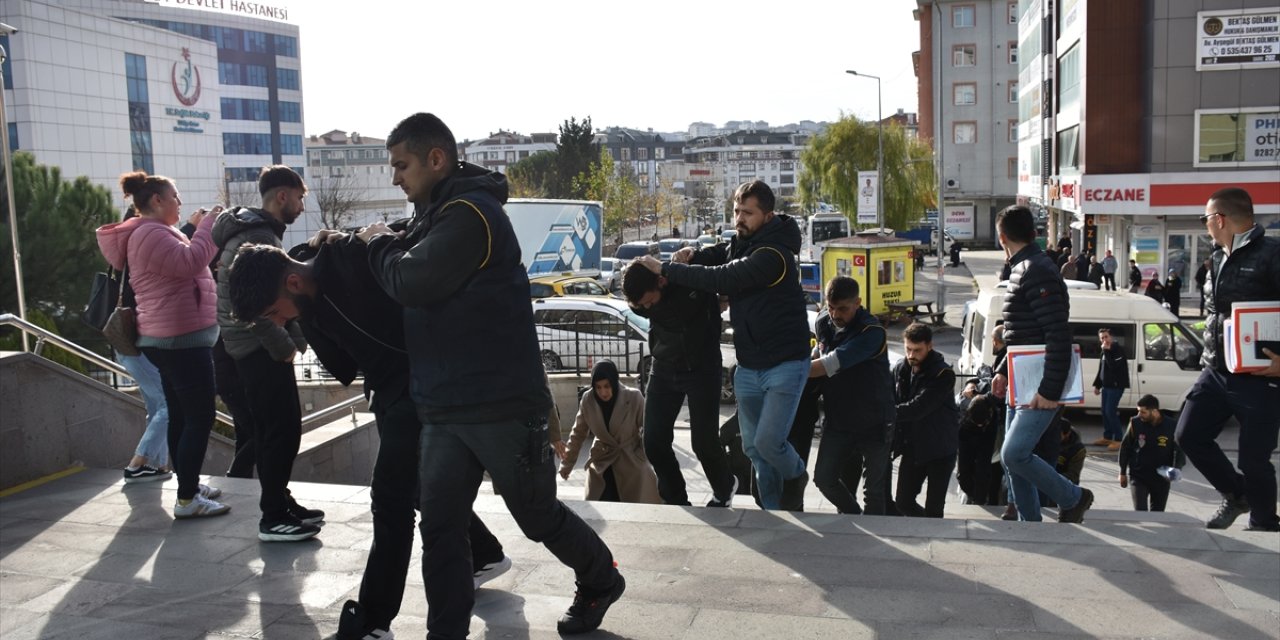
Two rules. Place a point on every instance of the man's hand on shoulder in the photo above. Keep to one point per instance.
(683, 256)
(326, 236)
(1272, 371)
(376, 229)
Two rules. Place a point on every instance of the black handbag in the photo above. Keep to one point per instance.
(103, 296)
(121, 329)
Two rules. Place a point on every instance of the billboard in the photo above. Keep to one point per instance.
(868, 190)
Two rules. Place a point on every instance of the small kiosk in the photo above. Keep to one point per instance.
(882, 265)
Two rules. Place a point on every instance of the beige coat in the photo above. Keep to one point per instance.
(619, 447)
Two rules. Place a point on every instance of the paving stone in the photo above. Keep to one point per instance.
(959, 610)
(1154, 620)
(1252, 593)
(713, 623)
(19, 588)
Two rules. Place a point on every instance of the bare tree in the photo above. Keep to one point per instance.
(239, 194)
(337, 198)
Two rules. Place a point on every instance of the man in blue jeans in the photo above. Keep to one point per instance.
(759, 273)
(1036, 312)
(1111, 382)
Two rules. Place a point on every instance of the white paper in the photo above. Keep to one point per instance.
(1026, 369)
(1250, 323)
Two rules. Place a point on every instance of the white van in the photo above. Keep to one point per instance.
(1163, 353)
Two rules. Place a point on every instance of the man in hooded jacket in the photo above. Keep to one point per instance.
(263, 352)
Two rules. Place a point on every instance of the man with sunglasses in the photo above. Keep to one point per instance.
(1245, 267)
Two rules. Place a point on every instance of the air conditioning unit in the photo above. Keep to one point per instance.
(952, 183)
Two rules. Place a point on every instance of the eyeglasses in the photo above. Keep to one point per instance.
(1204, 219)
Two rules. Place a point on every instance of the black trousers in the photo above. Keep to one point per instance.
(838, 450)
(1149, 491)
(1110, 280)
(231, 390)
(186, 375)
(518, 456)
(271, 392)
(394, 495)
(911, 478)
(973, 463)
(665, 394)
(1255, 403)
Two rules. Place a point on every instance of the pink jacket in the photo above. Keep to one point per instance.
(169, 273)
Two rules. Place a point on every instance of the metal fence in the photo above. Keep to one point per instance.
(575, 347)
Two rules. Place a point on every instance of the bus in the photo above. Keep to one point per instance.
(820, 227)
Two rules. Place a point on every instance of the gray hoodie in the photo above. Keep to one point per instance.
(233, 228)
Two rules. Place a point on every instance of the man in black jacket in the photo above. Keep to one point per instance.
(1246, 267)
(355, 328)
(1149, 446)
(759, 272)
(684, 338)
(1110, 382)
(476, 377)
(858, 396)
(928, 430)
(1036, 312)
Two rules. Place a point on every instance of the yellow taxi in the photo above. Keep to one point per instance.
(557, 285)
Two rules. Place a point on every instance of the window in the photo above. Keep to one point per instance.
(964, 55)
(290, 112)
(287, 79)
(1013, 13)
(227, 38)
(1069, 148)
(1170, 343)
(243, 174)
(230, 109)
(255, 75)
(135, 67)
(1069, 78)
(286, 46)
(642, 154)
(1236, 137)
(1013, 92)
(1013, 52)
(1013, 131)
(658, 153)
(13, 137)
(229, 73)
(1035, 160)
(963, 16)
(964, 132)
(291, 145)
(255, 42)
(964, 93)
(1013, 168)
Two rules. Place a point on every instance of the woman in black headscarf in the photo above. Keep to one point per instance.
(617, 469)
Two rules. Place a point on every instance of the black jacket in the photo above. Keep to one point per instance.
(1036, 312)
(762, 279)
(351, 323)
(1135, 275)
(684, 331)
(1113, 369)
(928, 422)
(1146, 448)
(473, 349)
(1250, 274)
(859, 397)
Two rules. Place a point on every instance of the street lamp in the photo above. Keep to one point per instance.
(880, 151)
(8, 187)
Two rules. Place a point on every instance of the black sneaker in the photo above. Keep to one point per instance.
(1231, 508)
(588, 609)
(1261, 527)
(145, 474)
(286, 529)
(1076, 514)
(351, 625)
(717, 501)
(309, 516)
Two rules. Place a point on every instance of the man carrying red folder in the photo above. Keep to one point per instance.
(1245, 267)
(1036, 312)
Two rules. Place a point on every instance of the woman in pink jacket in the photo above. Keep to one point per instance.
(176, 307)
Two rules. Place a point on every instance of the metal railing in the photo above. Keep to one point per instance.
(44, 336)
(575, 347)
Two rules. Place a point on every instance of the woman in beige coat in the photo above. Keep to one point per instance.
(617, 469)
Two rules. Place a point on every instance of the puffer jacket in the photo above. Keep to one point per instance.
(1037, 312)
(928, 422)
(762, 279)
(233, 228)
(169, 274)
(1250, 274)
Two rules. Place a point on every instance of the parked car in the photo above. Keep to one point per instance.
(611, 273)
(575, 332)
(565, 285)
(637, 248)
(728, 235)
(1163, 352)
(706, 240)
(669, 246)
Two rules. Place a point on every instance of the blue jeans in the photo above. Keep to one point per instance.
(154, 445)
(1112, 428)
(1027, 471)
(767, 401)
